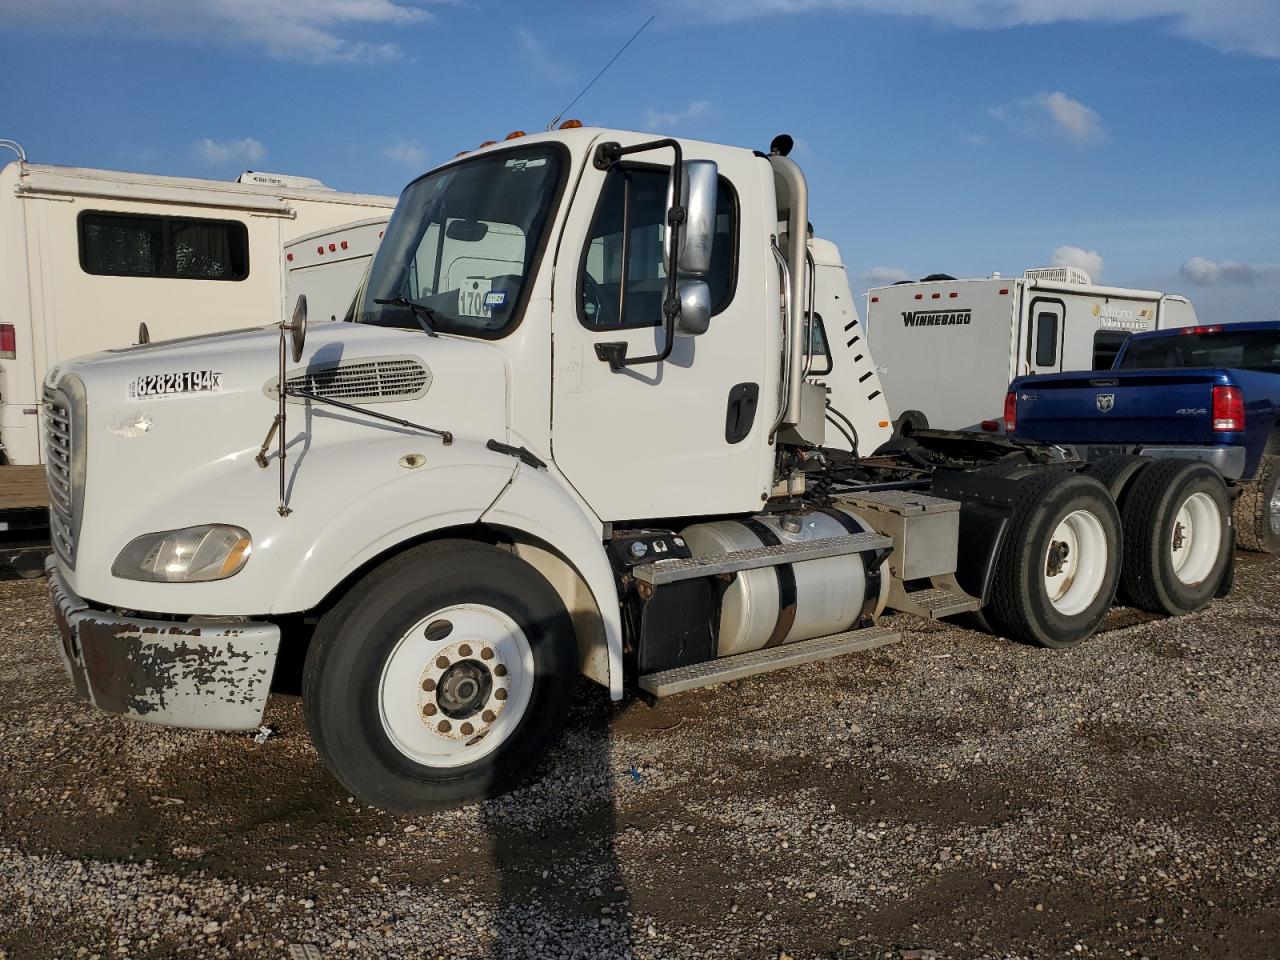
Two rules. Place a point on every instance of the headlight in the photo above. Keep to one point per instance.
(210, 552)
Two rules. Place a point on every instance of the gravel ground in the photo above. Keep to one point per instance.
(952, 796)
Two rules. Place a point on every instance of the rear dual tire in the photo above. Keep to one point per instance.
(1257, 511)
(1059, 563)
(1177, 537)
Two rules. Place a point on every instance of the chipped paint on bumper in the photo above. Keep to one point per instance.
(205, 674)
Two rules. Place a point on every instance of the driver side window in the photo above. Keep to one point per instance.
(623, 279)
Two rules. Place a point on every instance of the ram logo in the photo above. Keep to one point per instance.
(1106, 401)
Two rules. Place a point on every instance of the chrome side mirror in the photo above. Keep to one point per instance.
(297, 328)
(695, 308)
(698, 197)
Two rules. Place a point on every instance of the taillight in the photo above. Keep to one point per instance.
(1010, 412)
(8, 342)
(1228, 409)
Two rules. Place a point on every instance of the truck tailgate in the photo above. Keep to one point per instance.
(1119, 406)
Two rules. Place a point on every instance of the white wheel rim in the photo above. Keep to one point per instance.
(1075, 563)
(1195, 539)
(445, 701)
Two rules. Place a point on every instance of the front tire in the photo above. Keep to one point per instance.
(441, 678)
(1059, 563)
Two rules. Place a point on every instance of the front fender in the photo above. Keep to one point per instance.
(350, 503)
(539, 504)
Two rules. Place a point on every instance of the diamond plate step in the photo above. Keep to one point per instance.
(934, 603)
(659, 572)
(679, 679)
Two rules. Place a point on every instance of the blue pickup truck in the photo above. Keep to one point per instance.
(1208, 393)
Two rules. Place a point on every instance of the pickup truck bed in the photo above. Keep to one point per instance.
(1199, 393)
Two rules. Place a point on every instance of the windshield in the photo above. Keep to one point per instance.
(462, 243)
(1243, 349)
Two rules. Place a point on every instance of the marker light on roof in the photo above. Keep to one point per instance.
(1216, 328)
(343, 244)
(875, 299)
(571, 125)
(937, 296)
(953, 294)
(1004, 291)
(919, 296)
(514, 135)
(488, 143)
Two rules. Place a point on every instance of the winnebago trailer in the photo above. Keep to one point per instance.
(327, 266)
(948, 348)
(579, 424)
(88, 255)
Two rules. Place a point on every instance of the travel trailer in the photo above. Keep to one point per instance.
(87, 256)
(327, 266)
(946, 349)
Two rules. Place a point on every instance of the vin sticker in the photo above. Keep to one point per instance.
(155, 385)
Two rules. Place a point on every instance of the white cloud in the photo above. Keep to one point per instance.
(407, 152)
(316, 31)
(1054, 113)
(544, 65)
(882, 276)
(220, 152)
(1071, 118)
(1226, 273)
(655, 119)
(1090, 261)
(1248, 26)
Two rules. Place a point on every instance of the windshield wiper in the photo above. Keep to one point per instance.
(425, 316)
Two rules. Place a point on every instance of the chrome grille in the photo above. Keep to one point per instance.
(397, 378)
(63, 522)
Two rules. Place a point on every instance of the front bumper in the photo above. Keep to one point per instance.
(206, 674)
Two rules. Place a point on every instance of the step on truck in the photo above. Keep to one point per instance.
(946, 349)
(605, 407)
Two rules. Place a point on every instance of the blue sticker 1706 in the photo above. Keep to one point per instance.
(495, 298)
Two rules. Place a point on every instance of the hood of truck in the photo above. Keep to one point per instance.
(170, 432)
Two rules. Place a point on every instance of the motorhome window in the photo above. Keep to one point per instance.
(1046, 339)
(1246, 350)
(624, 274)
(1106, 345)
(464, 241)
(183, 248)
(819, 350)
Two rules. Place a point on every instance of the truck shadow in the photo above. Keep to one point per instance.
(553, 847)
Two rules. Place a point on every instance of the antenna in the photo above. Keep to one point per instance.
(569, 106)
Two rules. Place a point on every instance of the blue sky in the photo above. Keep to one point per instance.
(1139, 138)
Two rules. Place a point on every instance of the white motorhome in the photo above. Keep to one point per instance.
(88, 255)
(327, 266)
(948, 348)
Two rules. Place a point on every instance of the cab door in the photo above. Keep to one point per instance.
(686, 436)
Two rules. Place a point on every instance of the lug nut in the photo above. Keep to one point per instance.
(500, 670)
(467, 729)
(429, 709)
(428, 684)
(464, 650)
(442, 662)
(486, 654)
(500, 693)
(488, 716)
(444, 726)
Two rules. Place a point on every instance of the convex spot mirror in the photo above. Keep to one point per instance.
(297, 327)
(695, 308)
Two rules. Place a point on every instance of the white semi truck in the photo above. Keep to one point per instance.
(579, 424)
(946, 349)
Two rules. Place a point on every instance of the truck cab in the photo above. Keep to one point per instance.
(604, 406)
